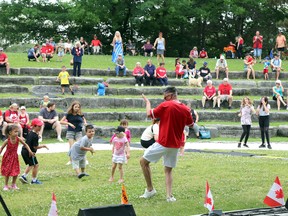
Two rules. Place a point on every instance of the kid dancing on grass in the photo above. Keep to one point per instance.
(64, 78)
(120, 152)
(266, 68)
(10, 164)
(79, 149)
(32, 141)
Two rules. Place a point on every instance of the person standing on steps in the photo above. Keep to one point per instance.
(262, 111)
(77, 53)
(246, 111)
(174, 117)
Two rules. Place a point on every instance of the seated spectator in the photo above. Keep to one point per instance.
(3, 126)
(120, 65)
(192, 67)
(195, 117)
(185, 69)
(278, 92)
(84, 45)
(276, 65)
(68, 46)
(209, 94)
(4, 61)
(248, 66)
(150, 73)
(225, 93)
(150, 134)
(11, 117)
(178, 69)
(193, 53)
(60, 50)
(205, 72)
(221, 65)
(96, 45)
(130, 48)
(161, 74)
(148, 48)
(51, 121)
(44, 102)
(138, 73)
(24, 121)
(230, 50)
(33, 53)
(203, 53)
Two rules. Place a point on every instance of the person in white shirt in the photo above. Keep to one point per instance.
(221, 65)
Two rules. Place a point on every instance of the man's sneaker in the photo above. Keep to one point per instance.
(262, 145)
(86, 174)
(5, 188)
(229, 107)
(23, 179)
(147, 194)
(36, 182)
(239, 145)
(72, 92)
(245, 145)
(59, 139)
(81, 175)
(14, 187)
(171, 199)
(269, 146)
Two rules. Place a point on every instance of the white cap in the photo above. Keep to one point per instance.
(278, 81)
(225, 80)
(22, 108)
(222, 57)
(209, 81)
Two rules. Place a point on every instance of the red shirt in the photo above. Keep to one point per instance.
(49, 49)
(137, 71)
(258, 43)
(203, 54)
(241, 41)
(11, 115)
(161, 72)
(96, 42)
(209, 91)
(43, 49)
(3, 57)
(224, 89)
(174, 116)
(250, 59)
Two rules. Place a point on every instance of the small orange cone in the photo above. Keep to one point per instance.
(124, 197)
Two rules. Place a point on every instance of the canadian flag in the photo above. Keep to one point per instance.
(275, 196)
(53, 209)
(209, 202)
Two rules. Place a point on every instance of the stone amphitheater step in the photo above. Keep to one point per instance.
(96, 72)
(13, 89)
(216, 131)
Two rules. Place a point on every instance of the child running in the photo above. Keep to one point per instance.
(64, 77)
(10, 164)
(79, 149)
(120, 152)
(32, 162)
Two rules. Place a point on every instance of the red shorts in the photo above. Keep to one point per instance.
(265, 71)
(180, 72)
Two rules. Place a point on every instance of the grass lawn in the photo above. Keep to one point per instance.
(235, 182)
(18, 60)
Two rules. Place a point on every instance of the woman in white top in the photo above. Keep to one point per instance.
(150, 134)
(246, 111)
(262, 111)
(160, 42)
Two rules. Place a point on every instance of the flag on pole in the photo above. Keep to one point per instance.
(124, 197)
(53, 209)
(209, 202)
(275, 196)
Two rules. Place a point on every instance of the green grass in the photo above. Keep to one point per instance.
(18, 60)
(231, 185)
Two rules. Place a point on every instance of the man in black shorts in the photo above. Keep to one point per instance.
(51, 120)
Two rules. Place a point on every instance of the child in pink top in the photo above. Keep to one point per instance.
(120, 152)
(178, 68)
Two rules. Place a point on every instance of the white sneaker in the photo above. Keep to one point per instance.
(147, 194)
(142, 84)
(59, 139)
(171, 199)
(40, 140)
(68, 163)
(136, 84)
(87, 162)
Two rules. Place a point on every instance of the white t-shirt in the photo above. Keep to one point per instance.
(148, 135)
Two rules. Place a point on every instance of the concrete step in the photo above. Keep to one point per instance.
(97, 72)
(13, 89)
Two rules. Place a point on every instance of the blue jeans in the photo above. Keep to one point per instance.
(118, 68)
(163, 81)
(257, 52)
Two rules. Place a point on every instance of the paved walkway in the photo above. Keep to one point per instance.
(63, 147)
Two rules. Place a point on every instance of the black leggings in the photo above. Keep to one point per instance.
(264, 127)
(246, 133)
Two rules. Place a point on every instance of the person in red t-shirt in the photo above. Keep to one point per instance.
(161, 74)
(257, 45)
(4, 61)
(96, 44)
(203, 53)
(11, 117)
(209, 94)
(49, 51)
(138, 73)
(3, 126)
(225, 93)
(239, 46)
(248, 66)
(43, 52)
(173, 115)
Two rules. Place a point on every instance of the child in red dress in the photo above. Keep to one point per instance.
(10, 163)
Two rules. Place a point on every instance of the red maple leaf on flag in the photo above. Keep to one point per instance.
(208, 201)
(279, 194)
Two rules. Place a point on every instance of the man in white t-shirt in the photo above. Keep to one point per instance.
(221, 65)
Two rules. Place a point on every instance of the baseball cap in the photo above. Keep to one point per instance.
(225, 80)
(36, 122)
(1, 48)
(205, 63)
(120, 129)
(278, 81)
(22, 108)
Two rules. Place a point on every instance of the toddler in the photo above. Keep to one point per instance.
(64, 77)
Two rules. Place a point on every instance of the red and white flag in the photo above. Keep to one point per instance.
(53, 209)
(209, 202)
(275, 196)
